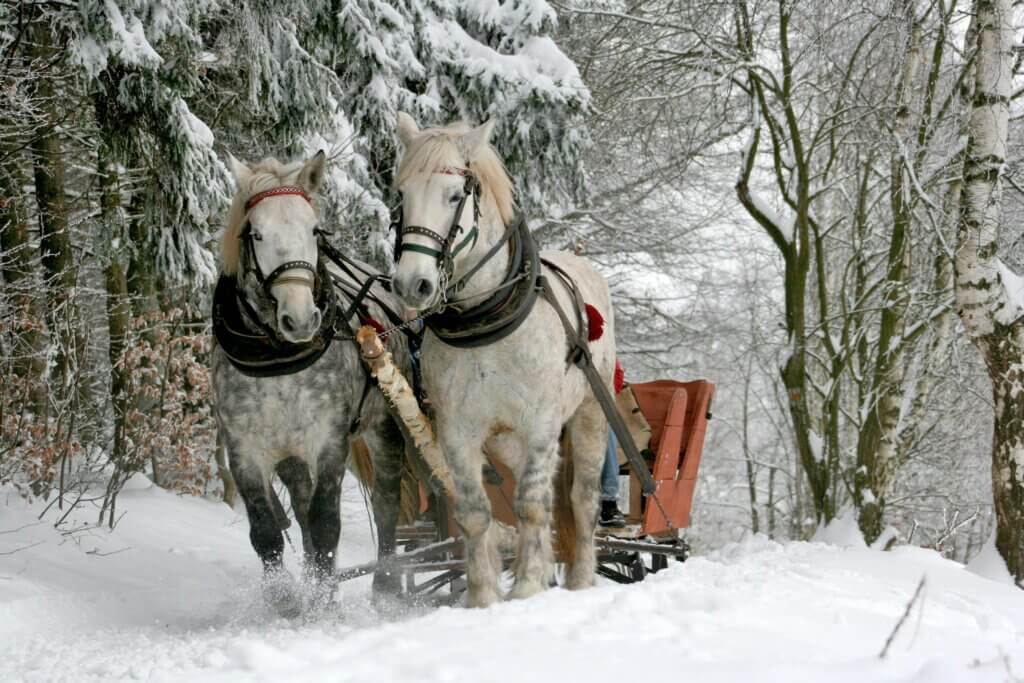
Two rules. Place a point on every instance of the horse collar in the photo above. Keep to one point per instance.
(504, 311)
(261, 353)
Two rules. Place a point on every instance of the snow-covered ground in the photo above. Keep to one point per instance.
(170, 595)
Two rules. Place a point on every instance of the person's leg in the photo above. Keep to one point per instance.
(610, 514)
(610, 471)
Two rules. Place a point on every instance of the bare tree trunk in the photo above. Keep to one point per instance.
(877, 442)
(751, 472)
(118, 303)
(55, 238)
(989, 305)
(28, 349)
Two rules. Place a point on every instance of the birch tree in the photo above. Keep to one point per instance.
(989, 296)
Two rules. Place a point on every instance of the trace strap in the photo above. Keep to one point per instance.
(579, 352)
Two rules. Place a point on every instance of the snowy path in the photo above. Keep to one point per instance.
(177, 603)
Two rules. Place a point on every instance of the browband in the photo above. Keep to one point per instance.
(276, 192)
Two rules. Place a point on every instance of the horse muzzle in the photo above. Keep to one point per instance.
(415, 292)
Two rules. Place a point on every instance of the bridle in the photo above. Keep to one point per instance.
(449, 249)
(249, 237)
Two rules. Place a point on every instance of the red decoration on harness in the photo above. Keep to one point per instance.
(277, 192)
(372, 322)
(595, 323)
(620, 377)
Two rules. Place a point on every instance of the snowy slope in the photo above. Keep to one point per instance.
(173, 598)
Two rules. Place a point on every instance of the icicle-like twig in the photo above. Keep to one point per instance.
(906, 613)
(400, 395)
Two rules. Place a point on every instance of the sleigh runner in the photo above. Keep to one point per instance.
(665, 421)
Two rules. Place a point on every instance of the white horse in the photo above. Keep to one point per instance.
(514, 395)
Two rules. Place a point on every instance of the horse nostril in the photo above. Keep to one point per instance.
(424, 288)
(314, 322)
(287, 323)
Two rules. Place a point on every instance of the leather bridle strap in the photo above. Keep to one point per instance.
(276, 277)
(276, 192)
(446, 254)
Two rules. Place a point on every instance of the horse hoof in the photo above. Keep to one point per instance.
(575, 582)
(482, 598)
(282, 594)
(525, 589)
(386, 584)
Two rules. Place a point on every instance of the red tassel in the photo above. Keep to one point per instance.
(595, 323)
(372, 322)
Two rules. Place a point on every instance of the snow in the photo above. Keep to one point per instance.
(817, 446)
(1012, 308)
(170, 595)
(841, 531)
(540, 63)
(990, 564)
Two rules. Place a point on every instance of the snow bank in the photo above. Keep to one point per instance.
(990, 564)
(176, 604)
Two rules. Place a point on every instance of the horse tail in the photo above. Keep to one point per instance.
(564, 522)
(361, 463)
(408, 498)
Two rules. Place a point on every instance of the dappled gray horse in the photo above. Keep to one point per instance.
(291, 392)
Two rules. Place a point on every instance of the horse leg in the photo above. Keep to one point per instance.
(388, 448)
(265, 535)
(588, 432)
(533, 567)
(295, 475)
(325, 510)
(473, 515)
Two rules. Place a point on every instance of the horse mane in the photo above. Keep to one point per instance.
(436, 148)
(266, 174)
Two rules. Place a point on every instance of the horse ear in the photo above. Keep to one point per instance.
(475, 141)
(311, 177)
(406, 128)
(241, 172)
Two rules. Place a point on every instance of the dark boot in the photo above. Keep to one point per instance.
(611, 517)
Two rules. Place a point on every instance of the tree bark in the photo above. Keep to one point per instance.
(988, 296)
(29, 359)
(878, 438)
(118, 303)
(55, 238)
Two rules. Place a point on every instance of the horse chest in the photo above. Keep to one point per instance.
(289, 415)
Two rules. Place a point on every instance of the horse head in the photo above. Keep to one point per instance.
(454, 189)
(271, 244)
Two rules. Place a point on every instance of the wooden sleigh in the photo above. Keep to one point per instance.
(668, 420)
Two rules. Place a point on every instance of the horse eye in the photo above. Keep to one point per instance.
(456, 198)
(256, 235)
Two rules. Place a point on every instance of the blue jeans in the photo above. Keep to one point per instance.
(610, 471)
